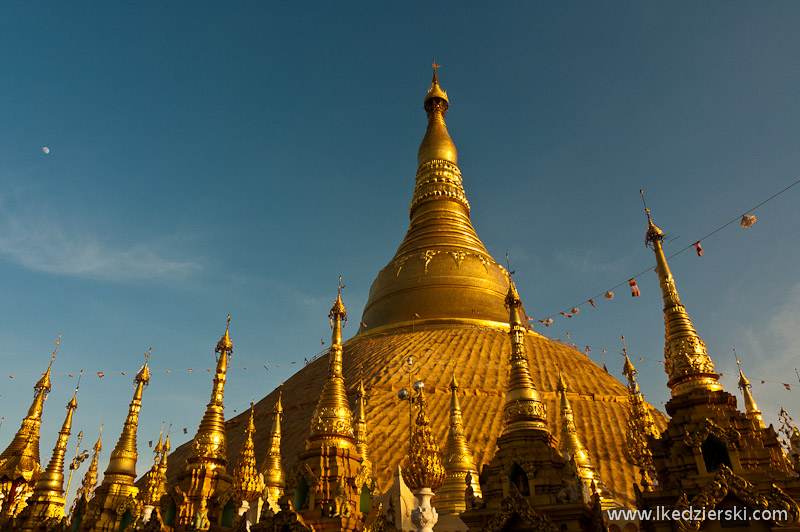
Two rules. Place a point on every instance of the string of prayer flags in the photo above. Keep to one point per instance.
(567, 334)
(546, 322)
(789, 388)
(609, 295)
(591, 302)
(565, 314)
(634, 288)
(575, 310)
(587, 350)
(748, 220)
(698, 248)
(100, 374)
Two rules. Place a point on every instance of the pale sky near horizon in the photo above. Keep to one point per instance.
(210, 159)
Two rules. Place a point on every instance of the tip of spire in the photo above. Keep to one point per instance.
(453, 382)
(278, 408)
(654, 234)
(338, 308)
(628, 367)
(435, 91)
(225, 343)
(143, 375)
(562, 385)
(512, 296)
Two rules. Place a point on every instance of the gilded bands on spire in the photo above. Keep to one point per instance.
(523, 409)
(331, 423)
(209, 447)
(686, 361)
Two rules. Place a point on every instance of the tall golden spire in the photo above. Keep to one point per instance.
(686, 362)
(245, 475)
(424, 462)
(441, 272)
(89, 481)
(360, 421)
(210, 442)
(332, 419)
(274, 478)
(458, 460)
(523, 409)
(751, 408)
(47, 500)
(640, 421)
(21, 458)
(121, 468)
(570, 441)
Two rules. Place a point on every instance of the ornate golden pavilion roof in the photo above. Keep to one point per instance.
(441, 299)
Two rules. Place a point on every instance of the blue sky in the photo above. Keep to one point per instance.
(211, 158)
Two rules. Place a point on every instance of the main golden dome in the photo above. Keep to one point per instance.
(441, 299)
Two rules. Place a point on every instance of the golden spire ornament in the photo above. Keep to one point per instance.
(424, 467)
(571, 443)
(121, 468)
(272, 471)
(245, 475)
(19, 462)
(686, 361)
(86, 489)
(47, 501)
(155, 482)
(332, 419)
(640, 423)
(437, 144)
(523, 409)
(458, 460)
(751, 408)
(210, 442)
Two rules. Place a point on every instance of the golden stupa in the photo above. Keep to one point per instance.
(440, 299)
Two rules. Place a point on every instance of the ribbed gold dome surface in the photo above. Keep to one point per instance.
(599, 401)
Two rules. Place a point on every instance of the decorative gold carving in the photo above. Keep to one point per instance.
(725, 482)
(705, 428)
(485, 262)
(424, 464)
(399, 262)
(458, 257)
(515, 504)
(245, 475)
(426, 257)
(380, 521)
(640, 424)
(286, 520)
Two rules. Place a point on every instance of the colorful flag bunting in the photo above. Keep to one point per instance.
(575, 310)
(546, 323)
(591, 302)
(587, 350)
(100, 374)
(565, 314)
(184, 430)
(609, 295)
(567, 334)
(698, 248)
(784, 384)
(634, 289)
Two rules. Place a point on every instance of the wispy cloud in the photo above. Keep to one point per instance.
(48, 247)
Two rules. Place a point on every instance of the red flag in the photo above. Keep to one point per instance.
(567, 334)
(787, 387)
(591, 302)
(545, 323)
(191, 371)
(101, 374)
(565, 314)
(528, 318)
(634, 289)
(321, 341)
(123, 372)
(587, 350)
(698, 248)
